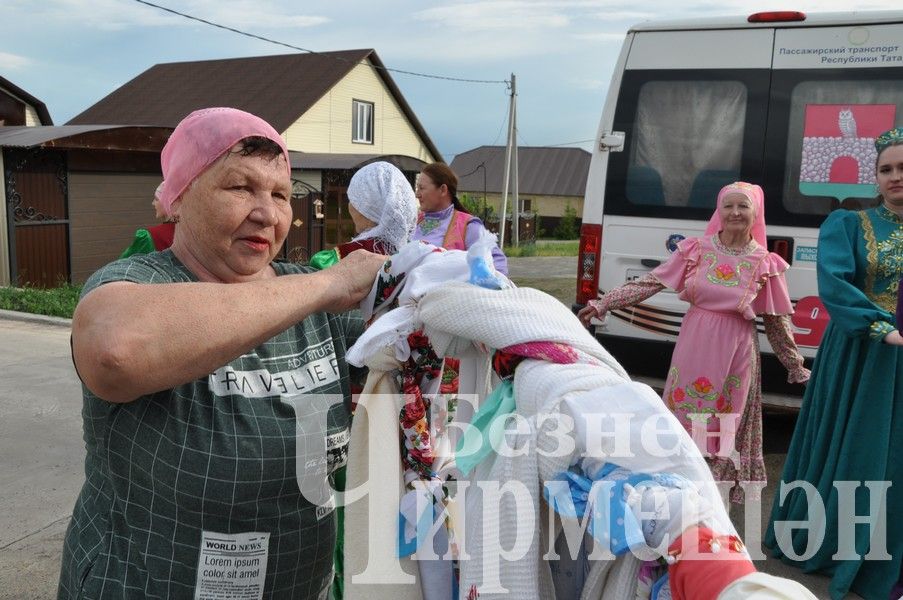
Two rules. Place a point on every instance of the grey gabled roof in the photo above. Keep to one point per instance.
(279, 89)
(542, 170)
(39, 106)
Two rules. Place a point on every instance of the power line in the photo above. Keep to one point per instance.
(278, 43)
(569, 143)
(501, 126)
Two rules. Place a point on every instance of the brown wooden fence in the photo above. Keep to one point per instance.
(38, 216)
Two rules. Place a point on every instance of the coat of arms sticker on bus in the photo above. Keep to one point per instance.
(673, 240)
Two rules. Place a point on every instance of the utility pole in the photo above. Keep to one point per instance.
(515, 217)
(511, 133)
(482, 165)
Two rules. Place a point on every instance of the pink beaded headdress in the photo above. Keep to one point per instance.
(756, 196)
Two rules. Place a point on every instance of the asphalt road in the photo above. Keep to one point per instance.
(537, 267)
(42, 453)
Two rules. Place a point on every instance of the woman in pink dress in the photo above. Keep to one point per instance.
(729, 278)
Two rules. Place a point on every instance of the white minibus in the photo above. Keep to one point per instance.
(783, 99)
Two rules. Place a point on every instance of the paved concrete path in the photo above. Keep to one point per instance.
(41, 451)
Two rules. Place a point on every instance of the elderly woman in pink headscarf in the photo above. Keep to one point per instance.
(714, 383)
(214, 380)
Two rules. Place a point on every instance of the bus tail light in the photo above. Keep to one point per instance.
(588, 258)
(777, 16)
(782, 246)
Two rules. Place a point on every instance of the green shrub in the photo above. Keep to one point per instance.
(567, 226)
(475, 206)
(55, 302)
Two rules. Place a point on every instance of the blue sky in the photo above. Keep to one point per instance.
(71, 53)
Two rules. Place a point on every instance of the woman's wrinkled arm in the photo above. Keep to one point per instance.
(131, 339)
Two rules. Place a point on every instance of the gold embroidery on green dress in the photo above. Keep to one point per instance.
(885, 259)
(879, 329)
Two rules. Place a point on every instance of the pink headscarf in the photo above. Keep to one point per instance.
(756, 196)
(201, 138)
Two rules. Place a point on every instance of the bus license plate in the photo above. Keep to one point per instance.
(634, 274)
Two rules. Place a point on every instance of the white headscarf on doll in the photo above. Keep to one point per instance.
(756, 196)
(381, 193)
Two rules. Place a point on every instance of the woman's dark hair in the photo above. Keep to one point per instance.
(441, 174)
(257, 145)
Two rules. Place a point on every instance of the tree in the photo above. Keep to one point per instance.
(567, 226)
(474, 205)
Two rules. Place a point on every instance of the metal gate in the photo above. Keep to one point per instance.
(305, 235)
(37, 204)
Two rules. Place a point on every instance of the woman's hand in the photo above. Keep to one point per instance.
(588, 312)
(350, 279)
(894, 338)
(800, 375)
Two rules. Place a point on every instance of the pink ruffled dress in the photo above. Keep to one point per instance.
(714, 376)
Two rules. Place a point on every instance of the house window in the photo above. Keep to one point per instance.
(526, 205)
(362, 122)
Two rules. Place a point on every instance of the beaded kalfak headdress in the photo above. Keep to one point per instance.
(891, 137)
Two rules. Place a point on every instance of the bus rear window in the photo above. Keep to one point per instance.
(687, 134)
(687, 142)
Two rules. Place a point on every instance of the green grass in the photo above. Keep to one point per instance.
(566, 248)
(55, 302)
(563, 289)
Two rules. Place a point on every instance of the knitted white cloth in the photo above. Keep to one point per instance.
(380, 192)
(508, 526)
(504, 539)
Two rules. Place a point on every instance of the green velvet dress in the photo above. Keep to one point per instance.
(850, 427)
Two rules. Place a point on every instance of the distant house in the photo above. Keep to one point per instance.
(550, 179)
(79, 191)
(72, 194)
(337, 111)
(18, 107)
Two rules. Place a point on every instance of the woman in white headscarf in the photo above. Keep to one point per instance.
(384, 211)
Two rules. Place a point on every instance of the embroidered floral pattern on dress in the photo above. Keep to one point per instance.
(742, 251)
(700, 395)
(724, 274)
(890, 255)
(416, 449)
(427, 225)
(885, 260)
